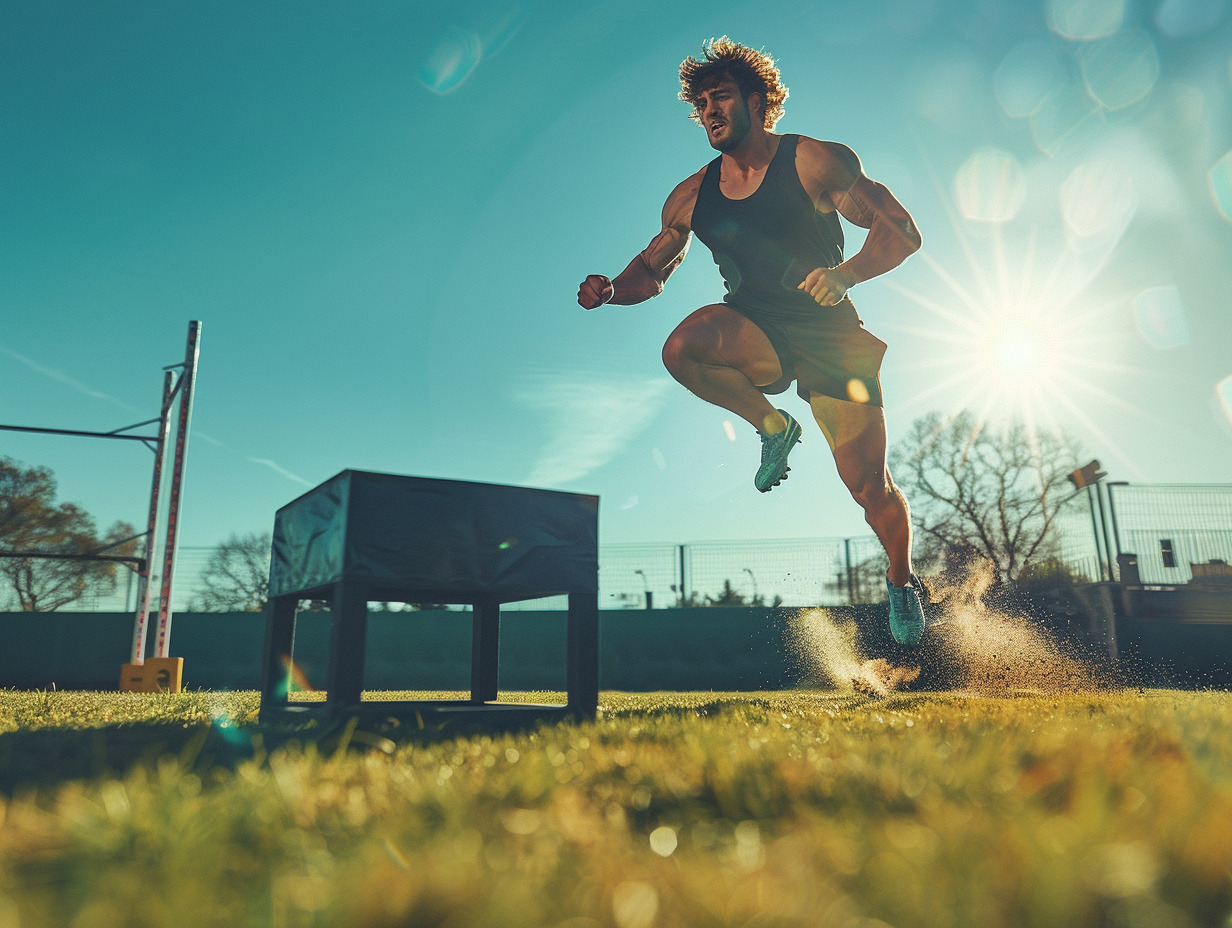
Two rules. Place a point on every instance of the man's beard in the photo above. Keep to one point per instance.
(739, 127)
(731, 142)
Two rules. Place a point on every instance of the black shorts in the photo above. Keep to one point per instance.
(828, 352)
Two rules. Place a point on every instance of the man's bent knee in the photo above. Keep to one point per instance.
(696, 342)
(678, 354)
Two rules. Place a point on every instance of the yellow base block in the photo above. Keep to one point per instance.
(156, 675)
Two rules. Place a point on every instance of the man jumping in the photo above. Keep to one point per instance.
(767, 208)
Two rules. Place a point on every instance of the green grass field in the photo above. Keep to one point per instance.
(799, 808)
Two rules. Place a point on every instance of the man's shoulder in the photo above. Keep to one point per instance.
(684, 194)
(826, 164)
(823, 150)
(691, 184)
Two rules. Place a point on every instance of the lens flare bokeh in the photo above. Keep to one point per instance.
(1085, 19)
(1121, 69)
(1181, 19)
(450, 62)
(1160, 315)
(990, 187)
(1097, 201)
(459, 51)
(294, 679)
(1220, 180)
(1223, 394)
(1026, 76)
(1065, 112)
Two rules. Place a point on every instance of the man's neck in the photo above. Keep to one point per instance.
(754, 153)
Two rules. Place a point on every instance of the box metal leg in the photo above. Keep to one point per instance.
(582, 671)
(347, 639)
(485, 648)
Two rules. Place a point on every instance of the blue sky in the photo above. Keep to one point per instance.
(381, 212)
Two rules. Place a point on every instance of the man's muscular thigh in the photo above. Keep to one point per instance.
(717, 334)
(856, 434)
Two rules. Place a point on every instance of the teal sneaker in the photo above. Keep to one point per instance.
(774, 451)
(907, 619)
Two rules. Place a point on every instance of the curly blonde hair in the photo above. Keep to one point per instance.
(752, 71)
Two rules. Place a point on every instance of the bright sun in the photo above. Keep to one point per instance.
(1020, 342)
(1015, 354)
(1017, 326)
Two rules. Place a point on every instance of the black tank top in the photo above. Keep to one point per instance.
(766, 243)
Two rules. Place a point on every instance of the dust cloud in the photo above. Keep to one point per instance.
(969, 646)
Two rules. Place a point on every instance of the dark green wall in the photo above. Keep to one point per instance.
(670, 649)
(713, 648)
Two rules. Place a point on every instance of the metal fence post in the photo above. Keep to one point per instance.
(1116, 533)
(1095, 526)
(851, 590)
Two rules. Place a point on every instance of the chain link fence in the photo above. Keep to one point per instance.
(789, 572)
(1168, 528)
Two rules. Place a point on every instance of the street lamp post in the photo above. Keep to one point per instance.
(756, 597)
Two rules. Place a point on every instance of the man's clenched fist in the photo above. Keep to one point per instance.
(595, 291)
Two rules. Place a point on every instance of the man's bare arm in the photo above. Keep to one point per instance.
(648, 272)
(834, 174)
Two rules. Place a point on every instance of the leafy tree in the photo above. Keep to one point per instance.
(691, 601)
(236, 575)
(728, 596)
(31, 521)
(983, 492)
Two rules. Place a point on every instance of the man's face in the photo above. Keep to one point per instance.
(725, 115)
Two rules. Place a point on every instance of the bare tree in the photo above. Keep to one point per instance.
(982, 491)
(236, 575)
(31, 521)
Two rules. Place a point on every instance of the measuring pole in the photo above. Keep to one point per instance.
(187, 378)
(140, 620)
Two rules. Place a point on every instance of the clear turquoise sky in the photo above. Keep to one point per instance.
(381, 212)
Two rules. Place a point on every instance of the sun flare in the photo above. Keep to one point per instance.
(1017, 354)
(1018, 340)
